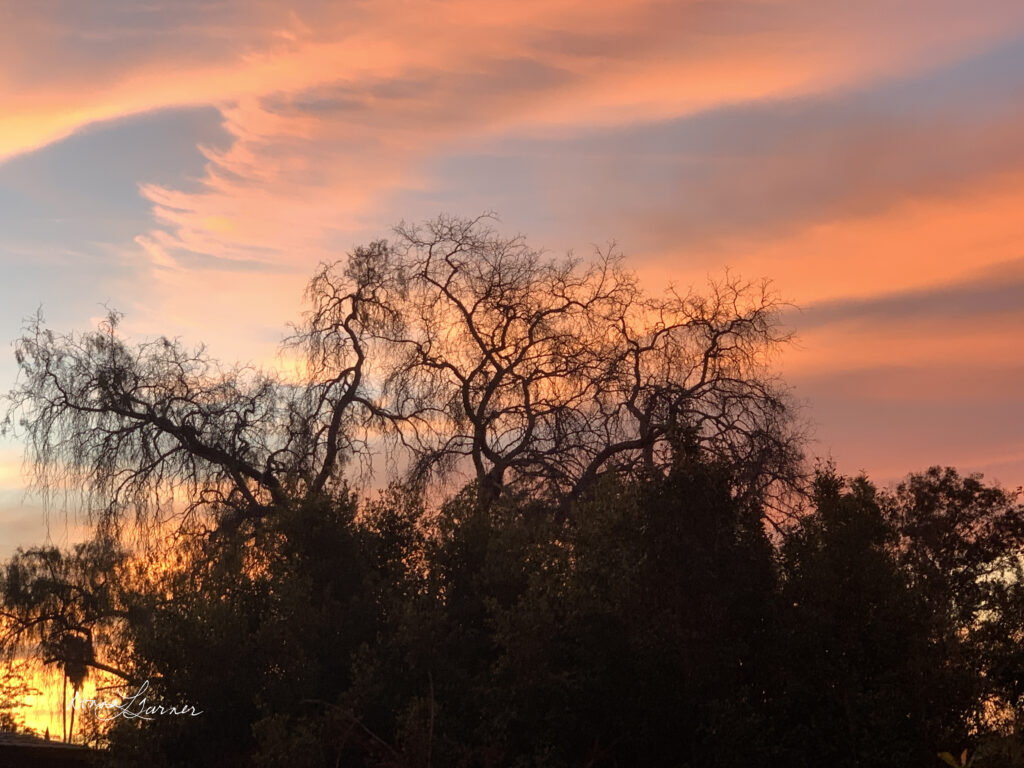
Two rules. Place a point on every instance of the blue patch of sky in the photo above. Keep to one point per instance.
(68, 209)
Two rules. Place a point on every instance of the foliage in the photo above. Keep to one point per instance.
(14, 687)
(661, 625)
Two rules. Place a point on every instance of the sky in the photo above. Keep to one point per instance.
(191, 163)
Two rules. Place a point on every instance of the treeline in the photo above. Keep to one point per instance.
(637, 570)
(662, 627)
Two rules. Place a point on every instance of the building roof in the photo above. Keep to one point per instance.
(27, 750)
(9, 738)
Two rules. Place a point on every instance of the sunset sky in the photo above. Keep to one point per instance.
(190, 163)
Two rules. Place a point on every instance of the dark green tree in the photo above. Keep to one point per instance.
(857, 672)
(961, 542)
(899, 622)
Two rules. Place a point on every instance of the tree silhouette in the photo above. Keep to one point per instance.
(452, 342)
(543, 373)
(597, 558)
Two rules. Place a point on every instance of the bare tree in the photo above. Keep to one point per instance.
(156, 431)
(543, 373)
(465, 349)
(131, 428)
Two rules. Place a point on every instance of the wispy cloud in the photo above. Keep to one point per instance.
(995, 292)
(332, 105)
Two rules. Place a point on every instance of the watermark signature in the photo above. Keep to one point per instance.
(133, 707)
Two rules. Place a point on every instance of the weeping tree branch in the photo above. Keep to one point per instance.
(458, 349)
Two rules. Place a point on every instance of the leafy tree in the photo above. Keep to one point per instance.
(961, 543)
(262, 634)
(900, 622)
(857, 673)
(648, 644)
(635, 634)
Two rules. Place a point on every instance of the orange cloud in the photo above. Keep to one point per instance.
(918, 242)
